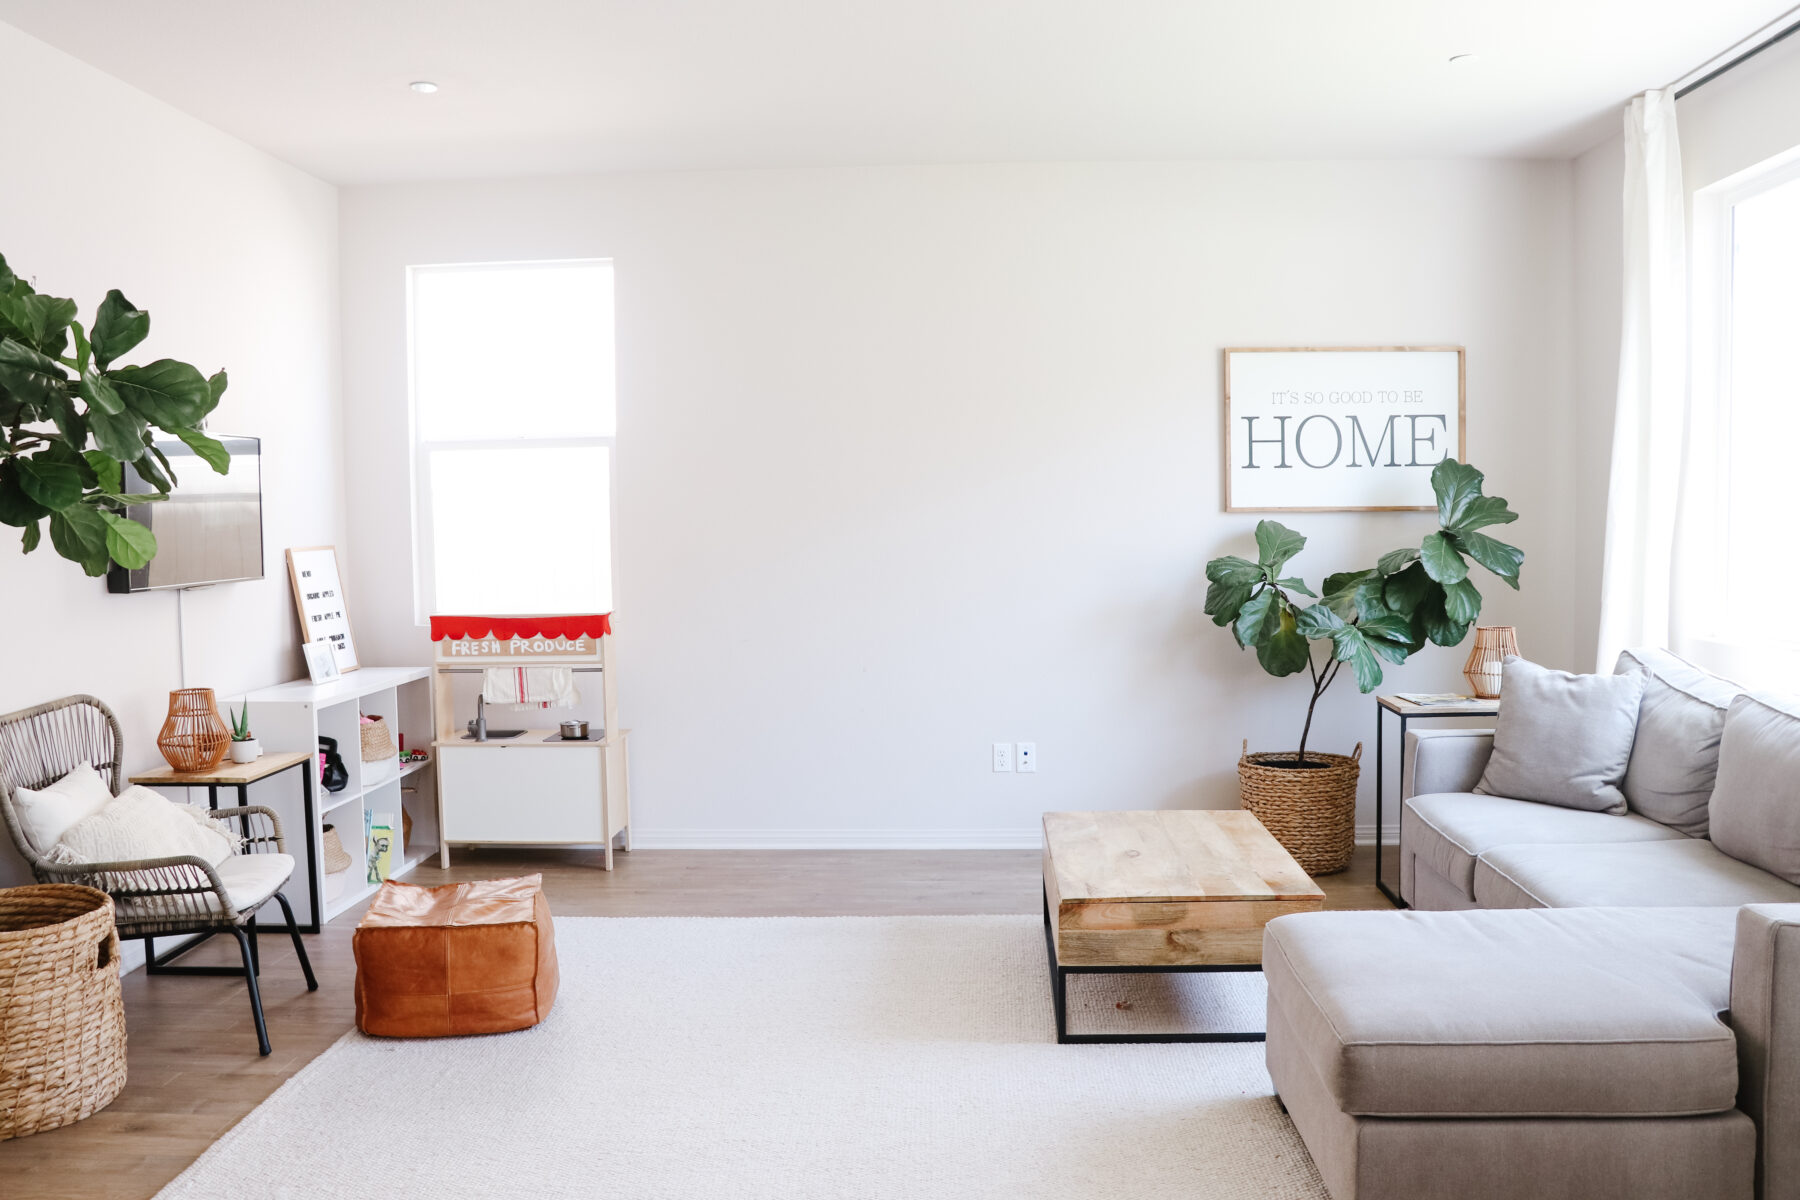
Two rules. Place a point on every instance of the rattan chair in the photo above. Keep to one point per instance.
(153, 897)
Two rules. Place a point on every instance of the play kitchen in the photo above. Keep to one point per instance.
(529, 748)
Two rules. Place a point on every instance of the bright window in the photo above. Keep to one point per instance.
(1761, 380)
(513, 422)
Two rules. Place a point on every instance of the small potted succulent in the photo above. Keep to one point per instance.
(244, 746)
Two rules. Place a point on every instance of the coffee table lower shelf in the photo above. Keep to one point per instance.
(1059, 997)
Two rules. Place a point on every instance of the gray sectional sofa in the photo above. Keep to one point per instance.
(1582, 1004)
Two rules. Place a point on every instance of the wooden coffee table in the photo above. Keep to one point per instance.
(1171, 890)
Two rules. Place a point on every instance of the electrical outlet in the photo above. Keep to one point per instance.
(1003, 756)
(1027, 756)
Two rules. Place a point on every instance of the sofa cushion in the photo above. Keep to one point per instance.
(1755, 811)
(1683, 873)
(1675, 757)
(1450, 830)
(1563, 739)
(1582, 1012)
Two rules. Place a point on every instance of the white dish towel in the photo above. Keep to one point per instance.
(531, 687)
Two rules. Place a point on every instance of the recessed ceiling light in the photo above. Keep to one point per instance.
(1456, 60)
(425, 87)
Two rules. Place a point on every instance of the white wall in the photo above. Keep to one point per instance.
(234, 256)
(915, 460)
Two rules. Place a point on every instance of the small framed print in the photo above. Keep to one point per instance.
(1340, 429)
(319, 598)
(321, 663)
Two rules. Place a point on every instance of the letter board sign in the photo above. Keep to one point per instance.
(1340, 429)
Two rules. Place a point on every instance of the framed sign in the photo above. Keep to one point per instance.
(1340, 429)
(319, 597)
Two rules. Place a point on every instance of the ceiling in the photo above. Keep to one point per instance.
(565, 86)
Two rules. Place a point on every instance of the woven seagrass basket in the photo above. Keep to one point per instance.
(377, 744)
(62, 1021)
(1311, 811)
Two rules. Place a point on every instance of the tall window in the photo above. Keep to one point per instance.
(513, 425)
(1761, 386)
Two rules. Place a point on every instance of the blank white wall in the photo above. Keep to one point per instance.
(916, 460)
(235, 256)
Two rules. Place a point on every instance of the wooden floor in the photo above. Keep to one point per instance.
(194, 1070)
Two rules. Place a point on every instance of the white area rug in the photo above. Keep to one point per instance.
(849, 1058)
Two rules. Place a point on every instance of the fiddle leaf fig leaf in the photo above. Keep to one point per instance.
(51, 483)
(107, 471)
(1286, 651)
(1340, 592)
(1275, 544)
(1349, 646)
(118, 327)
(1457, 486)
(1404, 591)
(1395, 561)
(79, 534)
(1462, 603)
(1223, 600)
(1318, 621)
(170, 394)
(1260, 618)
(1498, 557)
(1482, 512)
(130, 544)
(32, 535)
(1441, 560)
(1232, 569)
(29, 375)
(210, 450)
(1293, 584)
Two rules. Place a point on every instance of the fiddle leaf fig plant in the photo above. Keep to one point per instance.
(1410, 597)
(70, 419)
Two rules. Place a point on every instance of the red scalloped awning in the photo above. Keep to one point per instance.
(592, 625)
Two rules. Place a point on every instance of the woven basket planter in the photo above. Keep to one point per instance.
(1311, 811)
(62, 1020)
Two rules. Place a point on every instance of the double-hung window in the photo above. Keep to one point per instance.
(1759, 384)
(513, 422)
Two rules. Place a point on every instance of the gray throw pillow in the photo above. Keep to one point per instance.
(1562, 739)
(1676, 755)
(1756, 802)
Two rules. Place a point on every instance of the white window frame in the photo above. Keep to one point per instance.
(424, 534)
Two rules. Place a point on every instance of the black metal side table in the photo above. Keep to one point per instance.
(1407, 711)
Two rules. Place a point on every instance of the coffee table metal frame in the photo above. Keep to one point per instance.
(1059, 996)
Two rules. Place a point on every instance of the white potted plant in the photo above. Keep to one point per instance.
(244, 746)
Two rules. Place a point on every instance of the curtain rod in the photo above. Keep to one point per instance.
(1741, 59)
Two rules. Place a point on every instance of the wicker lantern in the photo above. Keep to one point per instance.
(1492, 644)
(195, 737)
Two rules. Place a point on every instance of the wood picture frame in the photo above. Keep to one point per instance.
(1394, 386)
(319, 601)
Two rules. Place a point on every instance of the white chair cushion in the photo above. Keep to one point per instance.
(46, 813)
(250, 879)
(140, 824)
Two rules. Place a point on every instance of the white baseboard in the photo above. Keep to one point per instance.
(1028, 838)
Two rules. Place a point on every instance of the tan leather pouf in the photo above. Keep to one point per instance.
(464, 958)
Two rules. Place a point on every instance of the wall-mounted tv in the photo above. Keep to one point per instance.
(209, 530)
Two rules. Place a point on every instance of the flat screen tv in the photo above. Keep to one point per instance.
(209, 530)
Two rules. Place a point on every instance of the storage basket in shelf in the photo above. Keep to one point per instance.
(377, 744)
(1310, 811)
(62, 1020)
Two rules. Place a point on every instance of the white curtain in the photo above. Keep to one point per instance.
(1650, 425)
